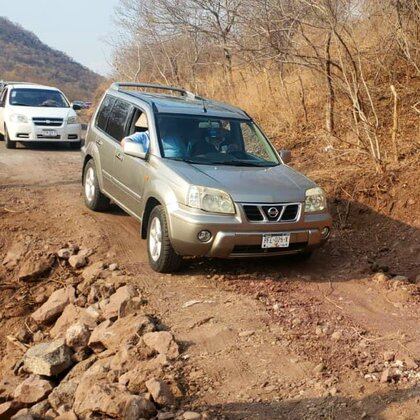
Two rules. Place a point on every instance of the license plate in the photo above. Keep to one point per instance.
(49, 133)
(280, 240)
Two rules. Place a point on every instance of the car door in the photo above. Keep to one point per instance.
(130, 171)
(105, 144)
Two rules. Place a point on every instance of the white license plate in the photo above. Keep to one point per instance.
(280, 240)
(49, 133)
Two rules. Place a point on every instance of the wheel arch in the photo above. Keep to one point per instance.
(86, 159)
(151, 203)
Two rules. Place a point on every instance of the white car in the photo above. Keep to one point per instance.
(35, 113)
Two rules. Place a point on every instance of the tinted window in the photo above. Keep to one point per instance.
(117, 120)
(104, 112)
(44, 98)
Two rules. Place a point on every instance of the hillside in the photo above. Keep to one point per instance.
(23, 57)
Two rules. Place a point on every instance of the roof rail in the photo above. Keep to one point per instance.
(118, 85)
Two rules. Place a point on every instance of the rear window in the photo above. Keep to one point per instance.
(104, 112)
(38, 98)
(118, 119)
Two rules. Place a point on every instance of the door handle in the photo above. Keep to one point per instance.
(119, 156)
(98, 142)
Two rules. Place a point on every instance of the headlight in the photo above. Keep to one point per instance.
(315, 200)
(210, 199)
(72, 120)
(19, 118)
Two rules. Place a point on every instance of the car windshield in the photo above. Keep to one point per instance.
(214, 141)
(38, 98)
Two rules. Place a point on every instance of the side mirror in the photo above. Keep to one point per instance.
(134, 149)
(286, 155)
(76, 107)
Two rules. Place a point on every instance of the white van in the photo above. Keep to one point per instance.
(35, 113)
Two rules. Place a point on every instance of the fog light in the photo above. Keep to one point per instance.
(204, 236)
(325, 232)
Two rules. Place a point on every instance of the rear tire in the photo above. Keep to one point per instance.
(94, 199)
(9, 143)
(162, 256)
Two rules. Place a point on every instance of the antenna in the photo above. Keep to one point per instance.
(203, 101)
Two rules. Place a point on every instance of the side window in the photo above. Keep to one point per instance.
(104, 112)
(138, 122)
(118, 119)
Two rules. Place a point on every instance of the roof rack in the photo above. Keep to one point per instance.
(118, 85)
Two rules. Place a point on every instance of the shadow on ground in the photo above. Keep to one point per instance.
(47, 147)
(374, 406)
(363, 241)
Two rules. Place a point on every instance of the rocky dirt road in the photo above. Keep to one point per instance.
(330, 338)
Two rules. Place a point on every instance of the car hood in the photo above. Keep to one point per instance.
(42, 112)
(249, 185)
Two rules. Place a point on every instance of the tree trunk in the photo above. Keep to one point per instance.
(330, 99)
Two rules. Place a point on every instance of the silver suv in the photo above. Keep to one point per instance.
(200, 176)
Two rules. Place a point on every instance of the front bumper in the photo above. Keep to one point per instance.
(234, 236)
(29, 132)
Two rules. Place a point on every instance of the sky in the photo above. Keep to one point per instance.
(77, 27)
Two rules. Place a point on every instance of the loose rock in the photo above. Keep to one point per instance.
(48, 359)
(78, 261)
(77, 336)
(138, 407)
(388, 356)
(65, 253)
(319, 368)
(118, 301)
(160, 391)
(72, 314)
(32, 390)
(8, 409)
(113, 267)
(191, 415)
(163, 342)
(385, 376)
(31, 270)
(63, 395)
(54, 306)
(110, 335)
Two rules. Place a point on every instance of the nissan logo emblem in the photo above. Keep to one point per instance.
(47, 121)
(273, 212)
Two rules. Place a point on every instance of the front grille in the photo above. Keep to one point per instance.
(253, 213)
(256, 249)
(290, 212)
(48, 122)
(272, 213)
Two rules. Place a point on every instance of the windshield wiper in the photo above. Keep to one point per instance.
(19, 104)
(241, 163)
(185, 160)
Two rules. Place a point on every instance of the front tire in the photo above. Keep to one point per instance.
(162, 257)
(94, 199)
(9, 143)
